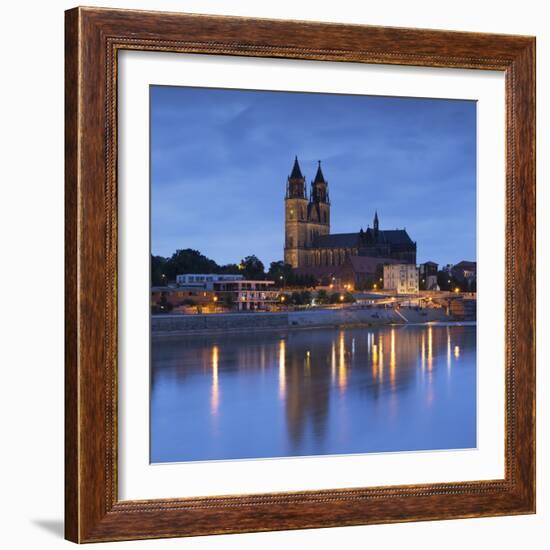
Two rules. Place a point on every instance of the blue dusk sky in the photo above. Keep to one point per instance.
(220, 161)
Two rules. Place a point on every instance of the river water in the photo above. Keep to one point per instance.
(313, 392)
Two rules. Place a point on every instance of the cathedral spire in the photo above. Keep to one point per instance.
(375, 226)
(295, 187)
(296, 172)
(319, 191)
(319, 178)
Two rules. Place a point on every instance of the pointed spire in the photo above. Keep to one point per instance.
(319, 178)
(376, 218)
(296, 172)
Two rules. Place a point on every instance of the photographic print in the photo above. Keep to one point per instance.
(313, 274)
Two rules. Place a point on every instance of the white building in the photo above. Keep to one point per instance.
(202, 281)
(247, 295)
(403, 278)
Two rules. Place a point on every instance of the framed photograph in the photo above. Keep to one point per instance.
(300, 275)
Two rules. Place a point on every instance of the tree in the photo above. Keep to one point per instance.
(158, 271)
(379, 276)
(444, 280)
(280, 272)
(252, 268)
(447, 282)
(230, 269)
(190, 261)
(349, 298)
(164, 304)
(187, 260)
(322, 297)
(285, 299)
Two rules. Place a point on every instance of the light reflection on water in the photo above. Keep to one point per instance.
(312, 392)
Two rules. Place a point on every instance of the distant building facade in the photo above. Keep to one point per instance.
(362, 272)
(204, 281)
(464, 271)
(214, 292)
(309, 243)
(403, 278)
(247, 295)
(166, 299)
(428, 275)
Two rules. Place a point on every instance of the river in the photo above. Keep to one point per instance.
(322, 391)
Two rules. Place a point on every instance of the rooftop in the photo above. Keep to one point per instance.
(367, 264)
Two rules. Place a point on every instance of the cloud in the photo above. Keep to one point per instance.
(220, 159)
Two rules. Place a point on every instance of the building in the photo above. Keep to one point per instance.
(362, 272)
(204, 281)
(212, 292)
(167, 299)
(403, 278)
(309, 243)
(428, 276)
(464, 271)
(246, 295)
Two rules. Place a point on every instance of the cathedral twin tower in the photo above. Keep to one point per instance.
(305, 219)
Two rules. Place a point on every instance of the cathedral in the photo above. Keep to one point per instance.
(309, 244)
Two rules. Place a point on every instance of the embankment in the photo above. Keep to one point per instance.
(228, 322)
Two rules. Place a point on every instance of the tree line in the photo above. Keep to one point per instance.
(164, 270)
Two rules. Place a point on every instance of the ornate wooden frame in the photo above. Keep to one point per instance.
(93, 38)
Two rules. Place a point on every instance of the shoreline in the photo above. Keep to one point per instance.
(159, 336)
(170, 326)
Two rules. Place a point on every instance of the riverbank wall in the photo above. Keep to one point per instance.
(229, 322)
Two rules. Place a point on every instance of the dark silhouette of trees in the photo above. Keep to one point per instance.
(323, 297)
(187, 260)
(252, 268)
(158, 271)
